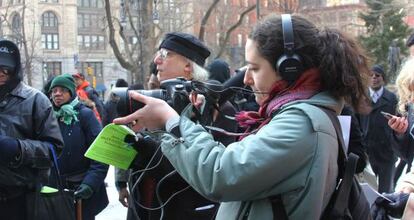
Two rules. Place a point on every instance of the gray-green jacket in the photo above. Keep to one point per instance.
(295, 155)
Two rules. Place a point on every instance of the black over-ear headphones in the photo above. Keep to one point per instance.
(289, 65)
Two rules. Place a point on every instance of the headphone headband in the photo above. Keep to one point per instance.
(287, 28)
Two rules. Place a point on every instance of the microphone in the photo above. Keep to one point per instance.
(232, 85)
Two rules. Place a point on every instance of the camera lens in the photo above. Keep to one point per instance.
(126, 105)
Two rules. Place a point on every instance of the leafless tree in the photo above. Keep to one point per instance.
(19, 35)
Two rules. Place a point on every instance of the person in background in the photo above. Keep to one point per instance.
(110, 106)
(219, 70)
(290, 149)
(46, 86)
(89, 96)
(377, 133)
(79, 129)
(402, 126)
(402, 200)
(153, 82)
(410, 44)
(356, 142)
(28, 133)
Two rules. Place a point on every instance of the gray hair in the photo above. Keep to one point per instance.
(199, 73)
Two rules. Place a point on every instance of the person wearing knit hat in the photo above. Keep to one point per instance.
(79, 127)
(181, 55)
(219, 70)
(66, 81)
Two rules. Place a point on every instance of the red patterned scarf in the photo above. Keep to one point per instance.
(281, 93)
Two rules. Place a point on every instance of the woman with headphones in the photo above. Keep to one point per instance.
(290, 147)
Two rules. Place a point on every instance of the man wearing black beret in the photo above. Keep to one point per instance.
(28, 133)
(179, 55)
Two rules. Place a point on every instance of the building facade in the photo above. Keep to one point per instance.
(63, 36)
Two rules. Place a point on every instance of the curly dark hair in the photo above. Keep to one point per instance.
(341, 61)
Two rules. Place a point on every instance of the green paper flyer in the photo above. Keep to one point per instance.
(109, 147)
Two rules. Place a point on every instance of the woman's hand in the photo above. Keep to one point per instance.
(398, 124)
(153, 115)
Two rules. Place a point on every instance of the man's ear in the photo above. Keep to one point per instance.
(188, 70)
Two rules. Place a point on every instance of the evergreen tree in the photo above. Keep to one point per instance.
(385, 26)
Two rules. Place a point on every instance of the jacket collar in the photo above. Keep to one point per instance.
(19, 91)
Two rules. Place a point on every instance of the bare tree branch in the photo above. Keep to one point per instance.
(225, 39)
(205, 19)
(125, 64)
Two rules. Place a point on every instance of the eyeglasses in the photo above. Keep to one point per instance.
(163, 53)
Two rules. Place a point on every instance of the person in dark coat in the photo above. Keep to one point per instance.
(356, 143)
(110, 105)
(28, 130)
(219, 70)
(377, 133)
(79, 128)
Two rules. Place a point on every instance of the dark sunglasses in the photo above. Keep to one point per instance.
(5, 70)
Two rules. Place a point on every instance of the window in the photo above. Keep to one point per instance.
(132, 40)
(50, 31)
(91, 21)
(52, 69)
(239, 40)
(50, 41)
(93, 42)
(95, 68)
(49, 19)
(91, 3)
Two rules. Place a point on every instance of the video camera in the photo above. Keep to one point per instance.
(174, 91)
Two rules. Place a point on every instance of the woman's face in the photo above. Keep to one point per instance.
(60, 95)
(260, 75)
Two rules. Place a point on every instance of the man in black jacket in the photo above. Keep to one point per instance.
(28, 132)
(377, 133)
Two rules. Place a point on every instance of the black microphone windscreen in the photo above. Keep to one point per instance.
(235, 81)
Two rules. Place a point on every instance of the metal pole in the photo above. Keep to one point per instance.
(258, 9)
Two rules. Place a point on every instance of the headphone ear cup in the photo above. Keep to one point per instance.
(289, 67)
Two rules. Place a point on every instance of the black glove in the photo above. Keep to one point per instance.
(146, 148)
(378, 212)
(83, 192)
(9, 150)
(395, 208)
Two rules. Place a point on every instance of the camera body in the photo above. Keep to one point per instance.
(174, 91)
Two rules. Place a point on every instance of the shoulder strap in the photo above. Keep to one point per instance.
(346, 172)
(344, 185)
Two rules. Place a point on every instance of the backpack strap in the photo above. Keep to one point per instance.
(346, 172)
(342, 196)
(278, 208)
